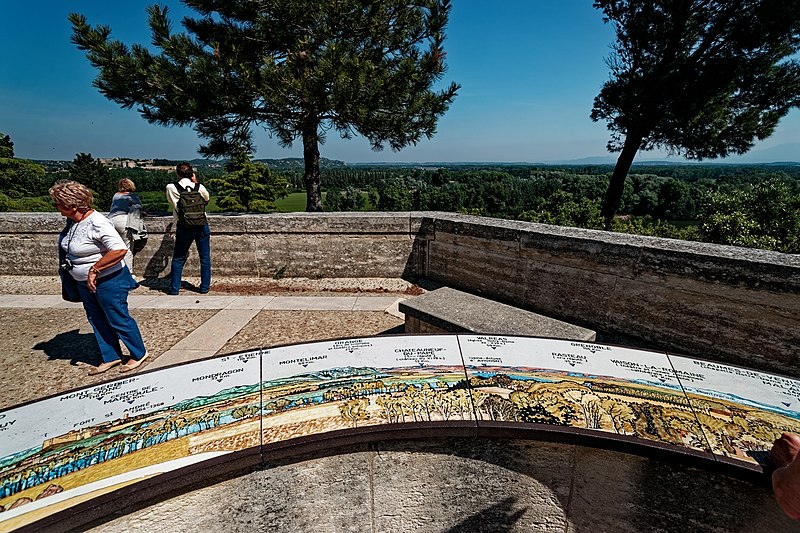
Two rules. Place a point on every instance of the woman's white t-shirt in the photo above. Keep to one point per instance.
(87, 241)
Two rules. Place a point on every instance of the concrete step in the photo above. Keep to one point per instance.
(447, 310)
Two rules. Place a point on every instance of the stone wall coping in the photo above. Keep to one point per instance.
(414, 222)
(456, 311)
(643, 242)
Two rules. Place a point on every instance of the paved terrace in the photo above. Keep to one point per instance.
(47, 345)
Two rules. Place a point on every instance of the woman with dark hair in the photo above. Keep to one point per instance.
(126, 205)
(93, 257)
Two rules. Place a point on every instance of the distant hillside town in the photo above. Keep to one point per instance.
(289, 163)
(147, 164)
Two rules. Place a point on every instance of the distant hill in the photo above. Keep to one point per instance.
(288, 163)
(787, 153)
(782, 153)
(297, 163)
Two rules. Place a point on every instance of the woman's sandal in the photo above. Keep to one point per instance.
(134, 364)
(103, 367)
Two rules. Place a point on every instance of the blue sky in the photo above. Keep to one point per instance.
(529, 71)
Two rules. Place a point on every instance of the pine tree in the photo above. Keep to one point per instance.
(699, 78)
(248, 186)
(95, 175)
(6, 146)
(297, 68)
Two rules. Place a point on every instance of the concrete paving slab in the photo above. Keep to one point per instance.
(29, 301)
(394, 310)
(142, 301)
(66, 305)
(171, 357)
(312, 303)
(208, 338)
(250, 302)
(191, 301)
(373, 303)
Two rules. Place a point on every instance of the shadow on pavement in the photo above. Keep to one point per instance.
(72, 345)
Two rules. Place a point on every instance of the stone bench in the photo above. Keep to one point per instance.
(447, 310)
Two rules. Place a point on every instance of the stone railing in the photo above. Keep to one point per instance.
(732, 304)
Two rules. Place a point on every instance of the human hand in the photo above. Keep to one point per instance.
(785, 449)
(91, 280)
(786, 486)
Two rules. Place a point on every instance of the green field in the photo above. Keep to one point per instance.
(296, 201)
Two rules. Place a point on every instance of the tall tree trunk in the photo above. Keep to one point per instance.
(617, 184)
(311, 176)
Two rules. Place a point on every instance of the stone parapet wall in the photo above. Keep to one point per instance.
(733, 304)
(328, 245)
(738, 305)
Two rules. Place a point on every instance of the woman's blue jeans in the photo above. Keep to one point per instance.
(107, 311)
(184, 237)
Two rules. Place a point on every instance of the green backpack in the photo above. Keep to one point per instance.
(191, 207)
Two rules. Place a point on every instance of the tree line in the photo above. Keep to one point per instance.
(744, 205)
(751, 206)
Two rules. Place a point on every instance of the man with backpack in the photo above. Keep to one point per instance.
(188, 198)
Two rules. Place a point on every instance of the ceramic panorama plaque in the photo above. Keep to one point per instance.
(83, 443)
(312, 389)
(596, 387)
(742, 411)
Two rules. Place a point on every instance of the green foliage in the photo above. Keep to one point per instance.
(333, 200)
(394, 195)
(6, 146)
(765, 215)
(351, 199)
(678, 200)
(743, 205)
(26, 204)
(95, 175)
(155, 202)
(248, 186)
(699, 78)
(646, 225)
(297, 68)
(21, 177)
(18, 177)
(146, 179)
(562, 209)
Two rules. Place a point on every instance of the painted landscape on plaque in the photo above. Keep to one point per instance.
(338, 385)
(741, 411)
(70, 448)
(610, 389)
(89, 441)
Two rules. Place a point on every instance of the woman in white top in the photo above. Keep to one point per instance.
(94, 253)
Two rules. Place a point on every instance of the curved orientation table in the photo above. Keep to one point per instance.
(79, 456)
